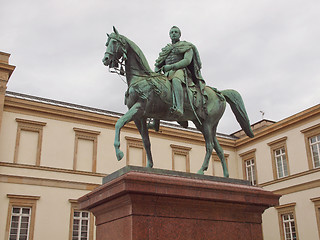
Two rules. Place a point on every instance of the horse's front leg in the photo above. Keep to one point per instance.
(133, 112)
(143, 129)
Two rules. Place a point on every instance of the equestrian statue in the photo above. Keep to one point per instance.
(175, 91)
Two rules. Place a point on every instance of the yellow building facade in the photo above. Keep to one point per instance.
(52, 152)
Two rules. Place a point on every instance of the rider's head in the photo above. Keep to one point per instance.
(175, 34)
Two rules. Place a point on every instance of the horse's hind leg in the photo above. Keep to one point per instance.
(143, 129)
(208, 136)
(133, 112)
(220, 154)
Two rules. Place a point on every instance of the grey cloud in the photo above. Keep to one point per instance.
(267, 50)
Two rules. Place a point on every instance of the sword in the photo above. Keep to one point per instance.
(190, 101)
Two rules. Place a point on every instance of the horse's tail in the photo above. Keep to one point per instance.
(237, 105)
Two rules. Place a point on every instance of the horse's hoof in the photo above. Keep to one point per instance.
(120, 155)
(226, 175)
(201, 172)
(149, 165)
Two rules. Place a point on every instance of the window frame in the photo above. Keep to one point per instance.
(309, 133)
(135, 143)
(246, 156)
(20, 215)
(287, 209)
(183, 151)
(22, 201)
(274, 146)
(75, 207)
(90, 135)
(31, 126)
(316, 202)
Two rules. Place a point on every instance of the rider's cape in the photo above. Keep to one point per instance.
(181, 47)
(194, 68)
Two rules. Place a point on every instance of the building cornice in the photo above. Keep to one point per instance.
(7, 68)
(281, 125)
(47, 182)
(298, 188)
(46, 108)
(293, 176)
(51, 169)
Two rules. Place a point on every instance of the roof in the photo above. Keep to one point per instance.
(255, 126)
(100, 111)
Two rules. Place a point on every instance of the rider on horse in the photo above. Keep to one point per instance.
(180, 62)
(149, 94)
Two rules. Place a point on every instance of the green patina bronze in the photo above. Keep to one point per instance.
(175, 91)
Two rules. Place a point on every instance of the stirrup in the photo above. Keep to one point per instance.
(152, 125)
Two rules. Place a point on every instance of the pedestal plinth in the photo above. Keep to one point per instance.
(139, 204)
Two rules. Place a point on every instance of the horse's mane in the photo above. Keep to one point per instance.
(139, 56)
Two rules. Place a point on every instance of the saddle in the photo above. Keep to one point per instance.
(193, 98)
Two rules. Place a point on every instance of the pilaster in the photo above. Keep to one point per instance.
(5, 73)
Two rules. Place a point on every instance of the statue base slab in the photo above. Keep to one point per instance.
(137, 203)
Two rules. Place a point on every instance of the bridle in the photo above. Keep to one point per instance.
(119, 59)
(120, 47)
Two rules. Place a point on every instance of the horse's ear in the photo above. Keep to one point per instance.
(108, 35)
(115, 30)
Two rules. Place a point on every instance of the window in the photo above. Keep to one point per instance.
(180, 158)
(85, 150)
(81, 223)
(20, 223)
(289, 226)
(281, 162)
(250, 171)
(287, 222)
(279, 158)
(249, 166)
(28, 142)
(312, 140)
(316, 202)
(315, 150)
(80, 228)
(21, 217)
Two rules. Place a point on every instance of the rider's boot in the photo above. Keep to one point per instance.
(178, 95)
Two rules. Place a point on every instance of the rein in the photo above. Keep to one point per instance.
(123, 50)
(122, 72)
(120, 69)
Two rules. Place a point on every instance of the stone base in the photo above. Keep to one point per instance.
(137, 203)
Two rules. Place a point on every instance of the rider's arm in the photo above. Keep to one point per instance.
(158, 66)
(182, 63)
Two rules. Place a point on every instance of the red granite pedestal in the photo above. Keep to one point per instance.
(139, 204)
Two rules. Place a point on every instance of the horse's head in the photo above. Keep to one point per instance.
(116, 49)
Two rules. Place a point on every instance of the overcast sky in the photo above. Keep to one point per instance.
(268, 50)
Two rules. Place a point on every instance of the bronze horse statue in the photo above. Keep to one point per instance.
(149, 95)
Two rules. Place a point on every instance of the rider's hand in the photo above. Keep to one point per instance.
(156, 69)
(167, 68)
